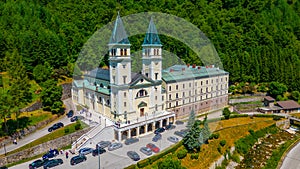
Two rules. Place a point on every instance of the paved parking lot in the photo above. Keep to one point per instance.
(116, 159)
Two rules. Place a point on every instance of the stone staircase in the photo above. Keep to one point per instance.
(95, 135)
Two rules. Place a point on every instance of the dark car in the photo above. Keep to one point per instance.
(56, 126)
(153, 147)
(3, 167)
(77, 159)
(179, 122)
(51, 154)
(157, 137)
(98, 151)
(37, 163)
(74, 118)
(146, 151)
(181, 133)
(70, 113)
(85, 151)
(133, 155)
(131, 141)
(173, 139)
(103, 144)
(170, 127)
(52, 163)
(159, 130)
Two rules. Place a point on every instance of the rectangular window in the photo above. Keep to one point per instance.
(124, 79)
(124, 94)
(124, 104)
(114, 79)
(170, 97)
(176, 103)
(169, 88)
(176, 87)
(162, 98)
(176, 95)
(170, 105)
(183, 94)
(156, 76)
(190, 93)
(182, 85)
(201, 83)
(155, 97)
(147, 74)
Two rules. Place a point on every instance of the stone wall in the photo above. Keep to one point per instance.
(35, 106)
(66, 90)
(43, 148)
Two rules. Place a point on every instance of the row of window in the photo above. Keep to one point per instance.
(123, 52)
(190, 84)
(148, 52)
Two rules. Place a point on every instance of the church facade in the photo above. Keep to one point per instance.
(138, 103)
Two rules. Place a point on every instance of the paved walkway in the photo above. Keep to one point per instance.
(292, 159)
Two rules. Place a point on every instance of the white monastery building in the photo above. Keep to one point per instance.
(137, 103)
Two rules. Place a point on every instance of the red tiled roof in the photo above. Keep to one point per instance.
(289, 104)
(269, 98)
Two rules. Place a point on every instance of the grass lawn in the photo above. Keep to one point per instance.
(229, 130)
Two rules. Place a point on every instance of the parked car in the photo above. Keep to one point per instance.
(85, 151)
(77, 159)
(98, 151)
(70, 113)
(133, 155)
(3, 167)
(181, 133)
(157, 137)
(131, 141)
(146, 151)
(37, 163)
(74, 118)
(56, 126)
(50, 154)
(103, 144)
(173, 139)
(115, 146)
(153, 147)
(53, 162)
(159, 130)
(170, 127)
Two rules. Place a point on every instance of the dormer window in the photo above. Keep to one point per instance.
(141, 93)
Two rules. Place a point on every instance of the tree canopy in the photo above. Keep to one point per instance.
(257, 41)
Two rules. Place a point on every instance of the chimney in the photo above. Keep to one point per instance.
(194, 65)
(188, 65)
(199, 67)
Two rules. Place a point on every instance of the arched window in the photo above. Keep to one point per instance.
(142, 93)
(101, 85)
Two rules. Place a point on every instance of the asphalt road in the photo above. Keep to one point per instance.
(292, 159)
(37, 134)
(116, 159)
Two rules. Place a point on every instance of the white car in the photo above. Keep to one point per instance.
(173, 139)
(115, 146)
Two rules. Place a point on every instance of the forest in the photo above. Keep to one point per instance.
(257, 41)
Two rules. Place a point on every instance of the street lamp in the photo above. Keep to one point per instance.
(4, 148)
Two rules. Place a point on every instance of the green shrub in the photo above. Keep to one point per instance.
(222, 143)
(67, 130)
(143, 163)
(195, 156)
(77, 126)
(236, 158)
(181, 154)
(216, 135)
(219, 149)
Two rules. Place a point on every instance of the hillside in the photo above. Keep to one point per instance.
(258, 41)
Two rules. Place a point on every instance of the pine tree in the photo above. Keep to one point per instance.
(191, 121)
